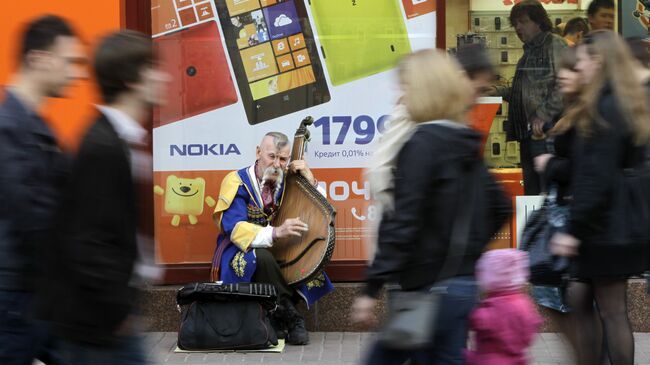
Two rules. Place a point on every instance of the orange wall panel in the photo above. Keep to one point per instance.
(69, 117)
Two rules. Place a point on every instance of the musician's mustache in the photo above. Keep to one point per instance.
(272, 174)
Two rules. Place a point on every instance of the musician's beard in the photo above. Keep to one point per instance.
(271, 178)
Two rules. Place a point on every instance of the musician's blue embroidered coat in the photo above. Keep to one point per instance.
(240, 216)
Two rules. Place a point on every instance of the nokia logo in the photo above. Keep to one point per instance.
(203, 149)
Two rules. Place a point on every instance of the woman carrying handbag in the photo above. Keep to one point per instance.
(613, 128)
(433, 170)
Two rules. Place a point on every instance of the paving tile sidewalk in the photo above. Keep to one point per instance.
(347, 348)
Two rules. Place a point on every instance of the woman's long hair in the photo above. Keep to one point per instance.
(616, 69)
(568, 61)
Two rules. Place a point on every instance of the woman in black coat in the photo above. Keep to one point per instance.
(434, 170)
(613, 125)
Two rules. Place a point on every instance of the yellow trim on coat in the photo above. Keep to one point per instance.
(243, 234)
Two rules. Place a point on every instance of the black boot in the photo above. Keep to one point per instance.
(277, 323)
(295, 324)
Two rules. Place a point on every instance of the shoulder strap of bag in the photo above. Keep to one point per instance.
(460, 230)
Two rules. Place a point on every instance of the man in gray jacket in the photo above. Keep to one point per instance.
(533, 98)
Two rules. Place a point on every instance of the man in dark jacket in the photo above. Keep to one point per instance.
(533, 99)
(33, 172)
(94, 304)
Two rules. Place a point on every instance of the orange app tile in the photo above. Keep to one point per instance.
(285, 63)
(297, 41)
(236, 7)
(183, 3)
(259, 62)
(268, 2)
(414, 8)
(187, 16)
(163, 17)
(204, 11)
(301, 58)
(280, 46)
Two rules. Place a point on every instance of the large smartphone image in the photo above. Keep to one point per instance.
(200, 78)
(359, 38)
(272, 50)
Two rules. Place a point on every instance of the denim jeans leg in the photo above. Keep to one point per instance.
(451, 332)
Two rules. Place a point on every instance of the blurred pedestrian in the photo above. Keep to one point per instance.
(613, 127)
(533, 99)
(94, 297)
(34, 171)
(414, 240)
(601, 14)
(476, 63)
(505, 322)
(575, 30)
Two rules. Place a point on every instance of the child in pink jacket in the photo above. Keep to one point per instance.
(505, 322)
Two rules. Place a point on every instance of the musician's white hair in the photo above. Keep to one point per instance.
(280, 140)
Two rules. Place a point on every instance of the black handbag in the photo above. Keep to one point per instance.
(546, 269)
(226, 316)
(412, 315)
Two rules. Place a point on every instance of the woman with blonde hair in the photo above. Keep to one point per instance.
(613, 127)
(432, 168)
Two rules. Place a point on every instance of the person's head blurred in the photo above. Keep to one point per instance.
(272, 156)
(575, 30)
(434, 87)
(126, 68)
(601, 14)
(51, 55)
(567, 75)
(604, 60)
(529, 18)
(502, 271)
(475, 61)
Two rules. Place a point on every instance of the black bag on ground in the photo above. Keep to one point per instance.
(542, 224)
(226, 316)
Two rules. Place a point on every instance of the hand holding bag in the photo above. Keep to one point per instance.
(412, 315)
(545, 268)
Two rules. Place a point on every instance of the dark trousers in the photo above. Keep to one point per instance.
(267, 271)
(22, 338)
(451, 332)
(532, 180)
(127, 351)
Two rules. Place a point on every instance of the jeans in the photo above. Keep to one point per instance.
(22, 338)
(550, 297)
(450, 337)
(128, 350)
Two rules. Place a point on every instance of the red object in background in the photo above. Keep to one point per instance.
(414, 8)
(200, 78)
(482, 116)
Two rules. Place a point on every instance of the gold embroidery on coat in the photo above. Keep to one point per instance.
(238, 264)
(317, 282)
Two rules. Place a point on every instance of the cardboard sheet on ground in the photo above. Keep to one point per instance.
(275, 349)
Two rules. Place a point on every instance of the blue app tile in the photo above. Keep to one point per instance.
(282, 20)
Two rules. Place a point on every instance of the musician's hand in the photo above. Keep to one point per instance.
(292, 227)
(363, 311)
(301, 166)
